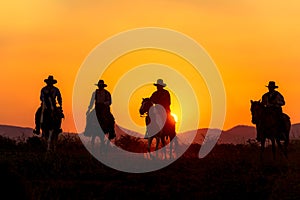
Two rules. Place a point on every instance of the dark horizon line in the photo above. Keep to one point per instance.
(239, 125)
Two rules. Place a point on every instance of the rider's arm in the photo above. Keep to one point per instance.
(168, 98)
(59, 99)
(107, 100)
(279, 100)
(42, 96)
(264, 100)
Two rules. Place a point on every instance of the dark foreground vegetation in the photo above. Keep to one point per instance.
(228, 172)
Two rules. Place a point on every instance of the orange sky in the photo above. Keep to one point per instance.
(250, 41)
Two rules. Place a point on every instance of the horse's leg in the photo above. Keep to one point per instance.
(176, 144)
(164, 148)
(281, 147)
(101, 144)
(285, 145)
(286, 142)
(156, 146)
(170, 148)
(262, 148)
(149, 145)
(49, 140)
(273, 148)
(172, 142)
(45, 134)
(104, 143)
(107, 143)
(54, 139)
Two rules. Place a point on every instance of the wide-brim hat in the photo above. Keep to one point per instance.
(50, 80)
(272, 85)
(101, 83)
(160, 82)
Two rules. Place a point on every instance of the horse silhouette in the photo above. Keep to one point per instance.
(94, 130)
(269, 126)
(51, 120)
(158, 126)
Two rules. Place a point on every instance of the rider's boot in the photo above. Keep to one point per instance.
(36, 130)
(37, 121)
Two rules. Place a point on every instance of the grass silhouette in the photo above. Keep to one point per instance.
(227, 172)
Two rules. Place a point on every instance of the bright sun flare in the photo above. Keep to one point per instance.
(175, 117)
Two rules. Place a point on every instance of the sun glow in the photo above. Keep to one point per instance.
(175, 117)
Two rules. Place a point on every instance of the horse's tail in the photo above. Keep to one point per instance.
(287, 126)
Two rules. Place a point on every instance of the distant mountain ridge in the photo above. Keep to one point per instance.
(236, 135)
(15, 132)
(241, 133)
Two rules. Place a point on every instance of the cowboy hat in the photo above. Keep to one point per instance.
(272, 85)
(101, 83)
(160, 82)
(50, 80)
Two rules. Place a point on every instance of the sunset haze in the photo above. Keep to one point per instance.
(250, 42)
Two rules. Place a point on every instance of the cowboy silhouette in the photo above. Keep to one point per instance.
(161, 96)
(50, 96)
(101, 98)
(273, 101)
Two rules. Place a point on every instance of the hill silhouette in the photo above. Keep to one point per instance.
(15, 132)
(236, 135)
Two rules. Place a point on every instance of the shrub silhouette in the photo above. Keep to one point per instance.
(132, 144)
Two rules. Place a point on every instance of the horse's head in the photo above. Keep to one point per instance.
(256, 111)
(145, 106)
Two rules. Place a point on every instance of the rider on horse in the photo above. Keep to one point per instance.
(273, 101)
(162, 97)
(102, 100)
(50, 96)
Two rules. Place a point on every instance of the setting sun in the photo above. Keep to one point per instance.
(120, 70)
(175, 117)
(37, 43)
